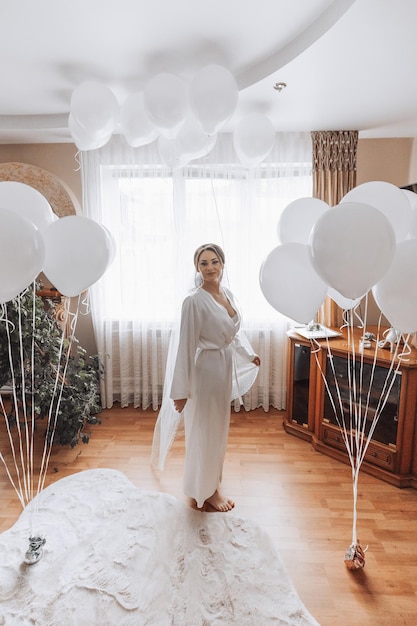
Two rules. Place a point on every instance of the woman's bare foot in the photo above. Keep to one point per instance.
(217, 502)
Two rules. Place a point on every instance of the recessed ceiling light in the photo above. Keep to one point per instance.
(280, 86)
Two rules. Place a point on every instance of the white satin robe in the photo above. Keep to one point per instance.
(212, 367)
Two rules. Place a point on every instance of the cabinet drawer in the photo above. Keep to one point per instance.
(377, 455)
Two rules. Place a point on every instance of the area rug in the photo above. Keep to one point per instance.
(116, 555)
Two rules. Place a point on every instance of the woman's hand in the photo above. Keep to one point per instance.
(180, 404)
(256, 360)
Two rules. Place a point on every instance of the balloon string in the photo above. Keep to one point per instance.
(406, 351)
(53, 413)
(3, 317)
(355, 385)
(340, 420)
(354, 435)
(389, 382)
(25, 426)
(355, 508)
(24, 453)
(18, 489)
(361, 416)
(84, 300)
(49, 430)
(16, 409)
(33, 412)
(77, 160)
(358, 315)
(22, 450)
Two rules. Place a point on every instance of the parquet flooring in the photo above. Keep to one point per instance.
(302, 498)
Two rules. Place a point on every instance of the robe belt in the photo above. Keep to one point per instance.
(234, 364)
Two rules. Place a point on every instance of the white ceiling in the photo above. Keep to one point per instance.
(348, 64)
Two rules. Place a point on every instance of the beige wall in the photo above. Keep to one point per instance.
(57, 158)
(390, 160)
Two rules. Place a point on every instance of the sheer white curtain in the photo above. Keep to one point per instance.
(158, 217)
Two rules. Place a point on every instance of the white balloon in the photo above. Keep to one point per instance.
(290, 284)
(412, 198)
(78, 251)
(396, 292)
(345, 303)
(84, 139)
(166, 103)
(135, 122)
(352, 246)
(169, 153)
(192, 142)
(213, 96)
(22, 254)
(298, 218)
(389, 199)
(412, 232)
(95, 108)
(27, 202)
(253, 139)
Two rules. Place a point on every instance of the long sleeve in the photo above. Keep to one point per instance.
(243, 347)
(187, 347)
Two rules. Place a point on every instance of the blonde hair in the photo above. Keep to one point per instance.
(208, 246)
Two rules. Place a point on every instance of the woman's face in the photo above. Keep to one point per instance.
(210, 266)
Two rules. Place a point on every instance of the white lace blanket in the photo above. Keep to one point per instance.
(115, 555)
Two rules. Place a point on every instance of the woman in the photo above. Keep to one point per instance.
(210, 361)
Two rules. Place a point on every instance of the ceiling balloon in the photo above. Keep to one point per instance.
(166, 103)
(94, 107)
(192, 142)
(85, 139)
(213, 97)
(253, 139)
(169, 153)
(135, 122)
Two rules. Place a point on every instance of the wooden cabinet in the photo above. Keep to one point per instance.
(324, 398)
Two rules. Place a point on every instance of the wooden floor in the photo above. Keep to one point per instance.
(302, 498)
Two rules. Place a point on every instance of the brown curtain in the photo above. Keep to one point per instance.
(334, 174)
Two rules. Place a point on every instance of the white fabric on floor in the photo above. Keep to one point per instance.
(117, 555)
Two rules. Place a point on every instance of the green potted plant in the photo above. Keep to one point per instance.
(49, 382)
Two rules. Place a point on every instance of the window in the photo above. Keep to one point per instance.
(158, 217)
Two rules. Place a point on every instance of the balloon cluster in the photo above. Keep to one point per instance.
(367, 242)
(183, 118)
(73, 251)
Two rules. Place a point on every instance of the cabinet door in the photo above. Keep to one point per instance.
(301, 384)
(362, 395)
